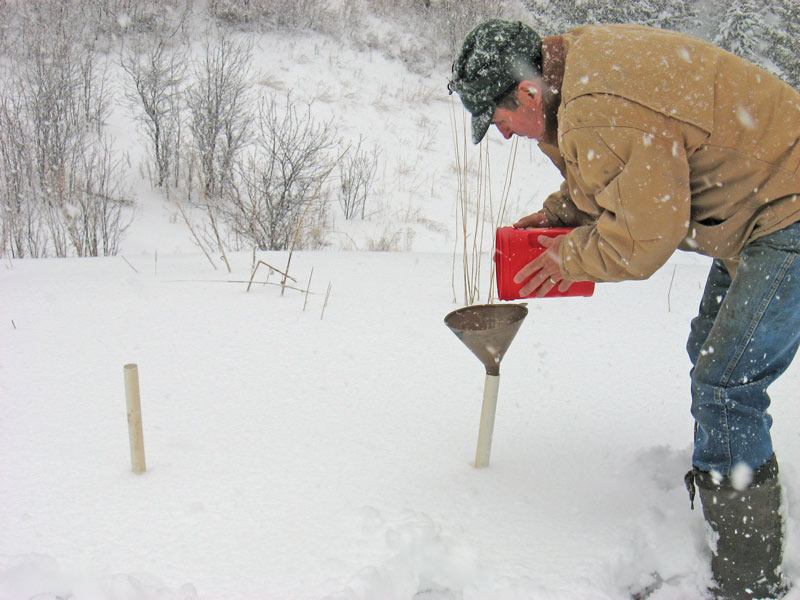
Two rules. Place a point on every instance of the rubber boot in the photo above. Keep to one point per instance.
(748, 527)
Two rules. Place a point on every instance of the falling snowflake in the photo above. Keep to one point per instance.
(745, 118)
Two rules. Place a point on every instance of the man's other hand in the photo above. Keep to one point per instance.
(537, 219)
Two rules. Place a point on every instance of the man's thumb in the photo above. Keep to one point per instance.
(546, 241)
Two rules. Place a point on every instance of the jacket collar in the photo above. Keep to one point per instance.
(553, 59)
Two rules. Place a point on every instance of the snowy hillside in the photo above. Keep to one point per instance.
(408, 117)
(320, 445)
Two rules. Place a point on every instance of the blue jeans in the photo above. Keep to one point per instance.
(744, 337)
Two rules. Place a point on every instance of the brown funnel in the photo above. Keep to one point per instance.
(487, 330)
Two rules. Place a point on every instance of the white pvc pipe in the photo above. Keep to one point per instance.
(487, 420)
(134, 404)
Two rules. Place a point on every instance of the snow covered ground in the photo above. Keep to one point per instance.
(304, 450)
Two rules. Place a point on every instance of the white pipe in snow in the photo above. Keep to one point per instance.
(487, 420)
(134, 404)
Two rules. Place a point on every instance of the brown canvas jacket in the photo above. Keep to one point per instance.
(666, 141)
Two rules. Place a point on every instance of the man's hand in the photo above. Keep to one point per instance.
(543, 273)
(537, 219)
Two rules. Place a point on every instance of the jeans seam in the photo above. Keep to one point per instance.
(726, 434)
(733, 363)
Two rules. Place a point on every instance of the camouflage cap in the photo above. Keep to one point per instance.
(495, 56)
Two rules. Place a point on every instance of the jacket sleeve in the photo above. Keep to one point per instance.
(559, 208)
(561, 211)
(639, 184)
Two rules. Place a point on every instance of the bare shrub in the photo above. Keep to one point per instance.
(6, 17)
(453, 19)
(259, 15)
(421, 34)
(23, 233)
(244, 15)
(356, 176)
(389, 241)
(279, 190)
(156, 72)
(97, 217)
(54, 107)
(114, 18)
(219, 106)
(298, 14)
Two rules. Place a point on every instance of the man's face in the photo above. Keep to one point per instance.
(527, 120)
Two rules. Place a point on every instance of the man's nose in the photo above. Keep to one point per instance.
(504, 131)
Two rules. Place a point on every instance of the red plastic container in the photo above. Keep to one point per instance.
(515, 248)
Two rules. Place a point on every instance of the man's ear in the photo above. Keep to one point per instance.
(529, 92)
